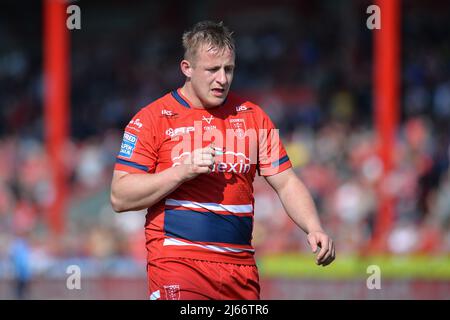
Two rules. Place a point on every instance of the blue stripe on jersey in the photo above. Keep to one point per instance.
(180, 99)
(208, 227)
(280, 162)
(132, 164)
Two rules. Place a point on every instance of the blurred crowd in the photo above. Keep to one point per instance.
(309, 65)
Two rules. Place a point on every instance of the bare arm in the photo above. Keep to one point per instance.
(299, 205)
(136, 191)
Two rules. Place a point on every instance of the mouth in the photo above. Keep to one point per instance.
(218, 92)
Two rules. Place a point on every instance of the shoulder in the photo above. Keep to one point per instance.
(147, 118)
(157, 106)
(155, 111)
(248, 108)
(244, 105)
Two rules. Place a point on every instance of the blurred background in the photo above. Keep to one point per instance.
(310, 65)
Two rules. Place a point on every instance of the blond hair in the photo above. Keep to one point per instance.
(212, 34)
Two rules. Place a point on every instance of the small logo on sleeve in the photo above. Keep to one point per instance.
(135, 125)
(128, 143)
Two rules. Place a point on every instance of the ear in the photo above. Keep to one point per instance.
(186, 68)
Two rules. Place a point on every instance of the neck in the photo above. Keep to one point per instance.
(188, 92)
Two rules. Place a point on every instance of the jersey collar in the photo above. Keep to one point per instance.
(181, 100)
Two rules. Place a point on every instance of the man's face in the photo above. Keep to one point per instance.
(211, 75)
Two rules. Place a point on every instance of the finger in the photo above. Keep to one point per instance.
(325, 257)
(333, 255)
(328, 254)
(204, 163)
(328, 261)
(207, 156)
(208, 151)
(323, 251)
(218, 151)
(312, 243)
(322, 256)
(204, 169)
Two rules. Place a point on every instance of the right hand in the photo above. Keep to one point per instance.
(198, 162)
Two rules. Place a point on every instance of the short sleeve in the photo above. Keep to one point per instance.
(139, 147)
(272, 156)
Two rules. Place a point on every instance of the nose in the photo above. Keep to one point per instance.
(222, 77)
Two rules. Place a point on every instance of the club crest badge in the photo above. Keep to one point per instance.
(238, 125)
(172, 292)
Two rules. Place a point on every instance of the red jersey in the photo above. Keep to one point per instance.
(211, 216)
